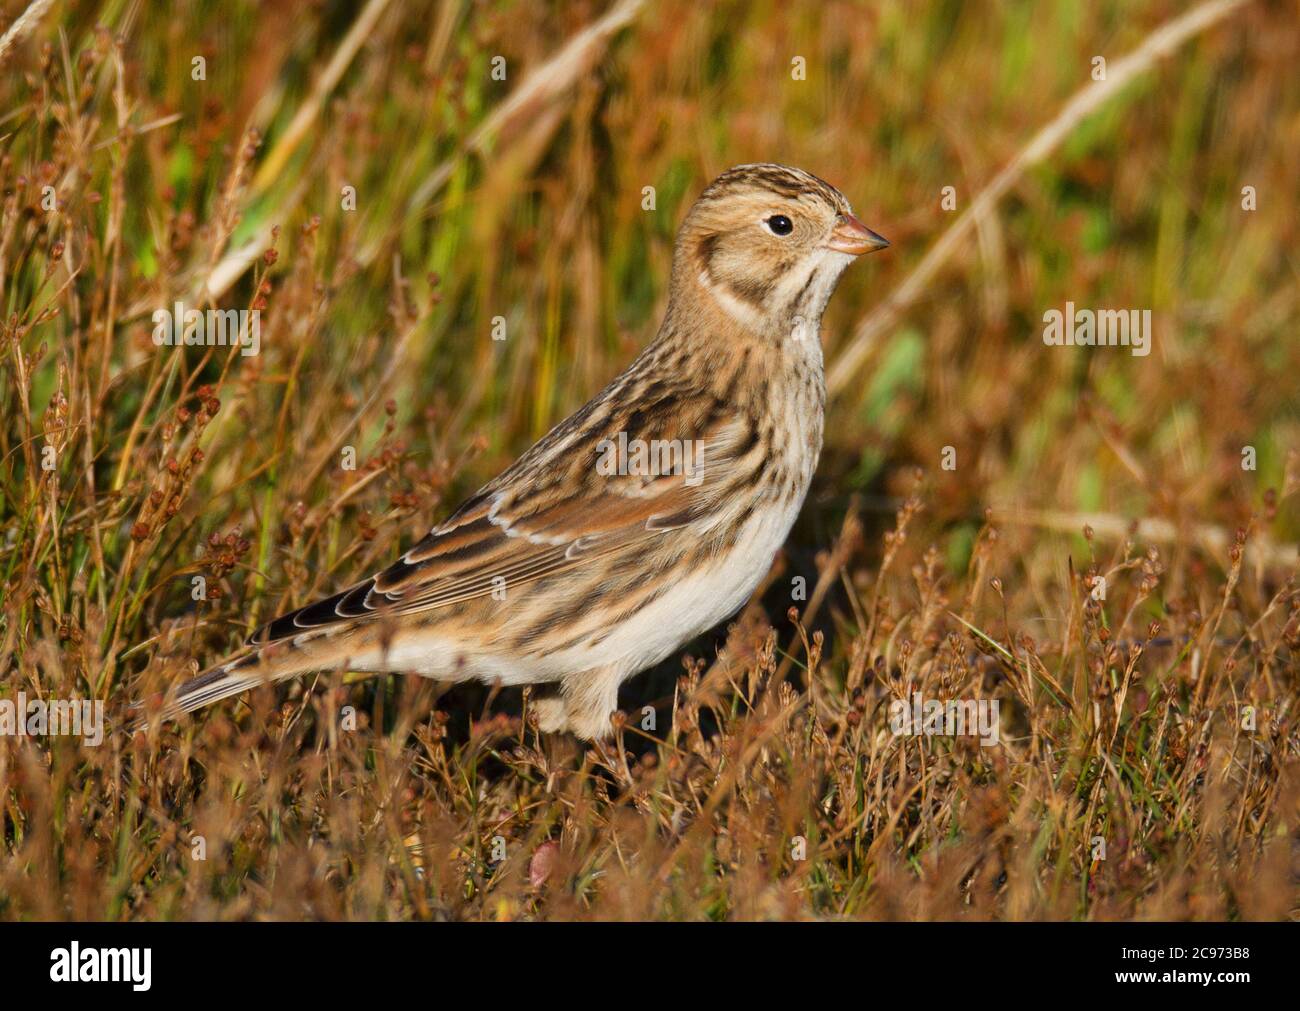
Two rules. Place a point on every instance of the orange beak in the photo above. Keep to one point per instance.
(853, 237)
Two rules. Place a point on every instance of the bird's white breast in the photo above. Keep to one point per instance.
(714, 592)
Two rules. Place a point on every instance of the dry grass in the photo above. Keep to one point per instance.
(772, 785)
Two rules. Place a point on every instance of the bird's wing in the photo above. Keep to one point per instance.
(556, 509)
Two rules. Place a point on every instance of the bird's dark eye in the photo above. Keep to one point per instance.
(780, 224)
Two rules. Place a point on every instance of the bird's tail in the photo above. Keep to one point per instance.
(221, 682)
(230, 678)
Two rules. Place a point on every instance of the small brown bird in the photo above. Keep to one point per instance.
(645, 518)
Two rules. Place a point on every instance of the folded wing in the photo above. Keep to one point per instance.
(557, 508)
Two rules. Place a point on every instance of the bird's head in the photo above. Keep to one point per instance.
(767, 244)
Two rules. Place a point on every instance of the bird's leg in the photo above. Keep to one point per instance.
(590, 698)
(547, 705)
